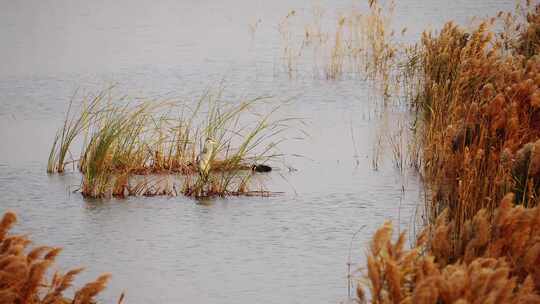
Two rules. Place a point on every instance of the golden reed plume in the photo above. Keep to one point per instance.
(23, 272)
(497, 261)
(476, 96)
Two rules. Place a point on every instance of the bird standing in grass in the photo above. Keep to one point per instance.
(204, 159)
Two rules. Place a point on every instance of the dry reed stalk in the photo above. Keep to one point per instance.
(498, 262)
(478, 133)
(478, 125)
(23, 272)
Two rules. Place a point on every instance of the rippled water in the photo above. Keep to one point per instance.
(291, 248)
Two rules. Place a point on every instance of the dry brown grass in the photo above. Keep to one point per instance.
(529, 39)
(476, 94)
(478, 120)
(360, 42)
(497, 261)
(23, 272)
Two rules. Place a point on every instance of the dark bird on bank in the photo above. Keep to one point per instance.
(261, 168)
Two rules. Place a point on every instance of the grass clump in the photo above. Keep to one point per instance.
(71, 129)
(154, 138)
(23, 272)
(233, 164)
(114, 150)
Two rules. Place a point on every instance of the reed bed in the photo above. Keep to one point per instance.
(125, 138)
(498, 261)
(478, 120)
(24, 269)
(475, 95)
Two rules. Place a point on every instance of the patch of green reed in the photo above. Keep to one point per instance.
(238, 148)
(115, 148)
(73, 125)
(164, 137)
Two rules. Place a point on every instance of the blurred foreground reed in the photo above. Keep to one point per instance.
(24, 273)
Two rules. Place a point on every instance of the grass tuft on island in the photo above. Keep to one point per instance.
(123, 138)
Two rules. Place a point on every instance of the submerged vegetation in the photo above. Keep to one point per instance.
(360, 43)
(126, 139)
(478, 121)
(23, 272)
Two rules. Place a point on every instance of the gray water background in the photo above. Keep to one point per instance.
(292, 248)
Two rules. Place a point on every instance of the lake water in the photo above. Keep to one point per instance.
(292, 248)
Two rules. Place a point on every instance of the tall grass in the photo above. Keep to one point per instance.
(478, 121)
(114, 149)
(475, 95)
(248, 139)
(360, 42)
(154, 137)
(71, 129)
(24, 272)
(498, 264)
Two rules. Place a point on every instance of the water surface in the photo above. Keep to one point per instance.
(292, 248)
